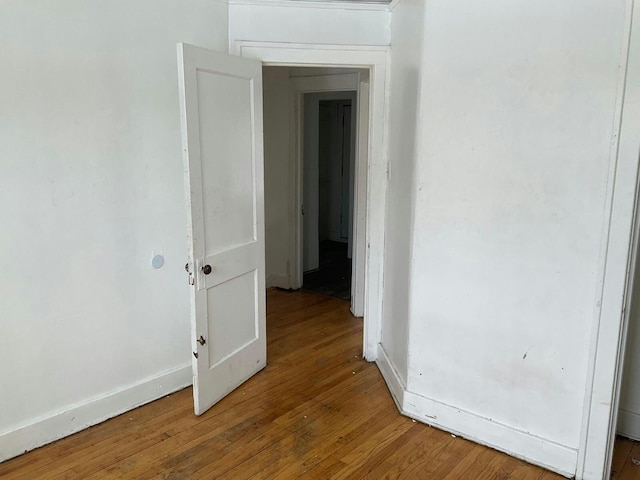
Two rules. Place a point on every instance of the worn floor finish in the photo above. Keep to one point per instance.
(317, 411)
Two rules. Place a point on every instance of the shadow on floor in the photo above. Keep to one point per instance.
(333, 278)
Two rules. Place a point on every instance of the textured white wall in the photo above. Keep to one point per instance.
(91, 186)
(279, 176)
(515, 126)
(309, 23)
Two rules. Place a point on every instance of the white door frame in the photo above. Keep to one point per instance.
(620, 245)
(376, 60)
(328, 84)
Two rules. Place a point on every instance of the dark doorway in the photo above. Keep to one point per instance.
(334, 199)
(333, 278)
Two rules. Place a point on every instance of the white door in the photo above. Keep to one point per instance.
(221, 107)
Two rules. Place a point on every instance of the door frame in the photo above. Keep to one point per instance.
(331, 84)
(376, 60)
(620, 234)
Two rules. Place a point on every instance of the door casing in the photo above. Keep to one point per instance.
(620, 234)
(376, 60)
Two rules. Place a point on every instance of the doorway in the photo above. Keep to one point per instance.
(328, 188)
(372, 144)
(316, 167)
(222, 119)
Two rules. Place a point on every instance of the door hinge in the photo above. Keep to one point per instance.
(201, 340)
(188, 270)
(195, 354)
(302, 209)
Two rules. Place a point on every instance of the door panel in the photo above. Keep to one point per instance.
(221, 106)
(227, 161)
(226, 341)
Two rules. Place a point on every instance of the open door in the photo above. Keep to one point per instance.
(221, 110)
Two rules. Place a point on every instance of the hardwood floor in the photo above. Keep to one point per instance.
(317, 411)
(626, 460)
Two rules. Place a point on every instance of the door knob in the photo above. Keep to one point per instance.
(207, 269)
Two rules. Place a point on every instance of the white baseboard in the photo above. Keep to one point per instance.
(629, 424)
(391, 377)
(278, 281)
(517, 443)
(80, 416)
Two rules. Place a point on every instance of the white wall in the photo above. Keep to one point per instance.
(309, 22)
(91, 186)
(279, 176)
(514, 132)
(407, 29)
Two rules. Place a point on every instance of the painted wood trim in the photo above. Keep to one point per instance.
(379, 6)
(278, 53)
(391, 377)
(393, 4)
(620, 233)
(91, 412)
(325, 83)
(485, 431)
(363, 120)
(278, 281)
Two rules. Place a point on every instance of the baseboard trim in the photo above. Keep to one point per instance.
(278, 281)
(391, 377)
(629, 424)
(517, 443)
(525, 446)
(80, 416)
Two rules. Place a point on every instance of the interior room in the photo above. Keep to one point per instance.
(175, 176)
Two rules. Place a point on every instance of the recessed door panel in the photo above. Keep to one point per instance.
(228, 178)
(234, 299)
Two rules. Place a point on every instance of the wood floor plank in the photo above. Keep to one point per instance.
(98, 437)
(317, 411)
(631, 468)
(621, 452)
